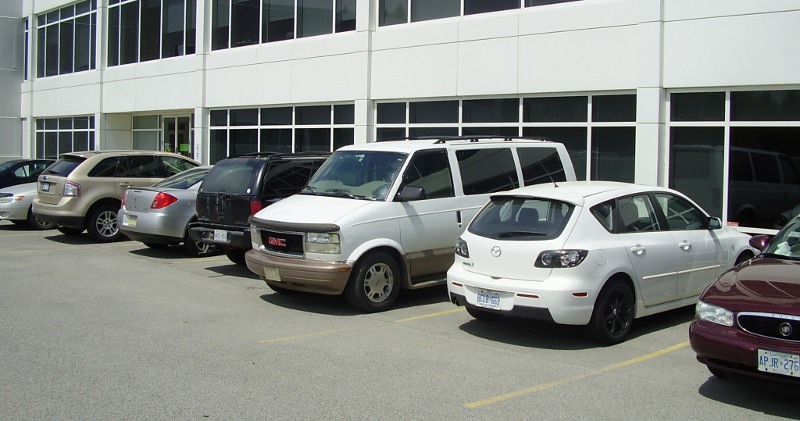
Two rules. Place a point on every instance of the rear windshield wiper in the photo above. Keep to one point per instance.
(510, 234)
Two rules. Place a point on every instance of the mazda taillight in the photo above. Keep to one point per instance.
(163, 200)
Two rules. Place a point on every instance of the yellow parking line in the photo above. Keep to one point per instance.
(330, 332)
(556, 383)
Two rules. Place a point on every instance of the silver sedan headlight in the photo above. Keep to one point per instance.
(713, 314)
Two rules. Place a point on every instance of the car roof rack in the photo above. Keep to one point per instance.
(277, 155)
(478, 138)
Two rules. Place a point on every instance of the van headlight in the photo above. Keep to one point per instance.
(713, 314)
(323, 243)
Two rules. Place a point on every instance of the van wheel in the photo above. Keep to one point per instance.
(612, 316)
(103, 224)
(236, 256)
(375, 284)
(70, 231)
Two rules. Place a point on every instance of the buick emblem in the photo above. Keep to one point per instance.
(785, 329)
(496, 252)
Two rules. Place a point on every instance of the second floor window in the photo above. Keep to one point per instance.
(66, 39)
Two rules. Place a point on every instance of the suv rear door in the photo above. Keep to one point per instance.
(51, 181)
(224, 196)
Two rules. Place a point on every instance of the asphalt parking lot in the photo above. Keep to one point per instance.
(120, 331)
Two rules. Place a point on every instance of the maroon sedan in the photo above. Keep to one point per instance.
(748, 321)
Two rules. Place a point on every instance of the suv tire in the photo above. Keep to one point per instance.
(70, 231)
(375, 284)
(236, 256)
(102, 224)
(37, 223)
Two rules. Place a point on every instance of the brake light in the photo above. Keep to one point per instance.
(72, 189)
(255, 206)
(163, 200)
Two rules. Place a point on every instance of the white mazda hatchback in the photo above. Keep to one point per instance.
(591, 253)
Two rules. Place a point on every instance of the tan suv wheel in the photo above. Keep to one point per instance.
(102, 224)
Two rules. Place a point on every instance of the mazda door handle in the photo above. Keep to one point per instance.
(638, 250)
(685, 245)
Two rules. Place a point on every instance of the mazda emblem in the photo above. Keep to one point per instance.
(496, 252)
(785, 329)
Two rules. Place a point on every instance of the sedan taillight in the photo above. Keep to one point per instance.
(163, 200)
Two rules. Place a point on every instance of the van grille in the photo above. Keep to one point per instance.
(776, 326)
(281, 242)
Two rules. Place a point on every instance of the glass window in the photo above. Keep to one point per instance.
(243, 141)
(66, 47)
(218, 147)
(344, 114)
(613, 153)
(484, 6)
(129, 33)
(172, 31)
(307, 140)
(244, 22)
(151, 30)
(65, 141)
(174, 165)
(529, 3)
(680, 214)
(276, 116)
(220, 15)
(278, 20)
(487, 170)
(701, 106)
(318, 114)
(343, 137)
(614, 108)
(696, 165)
(490, 110)
(285, 178)
(540, 165)
(514, 218)
(765, 106)
(276, 140)
(219, 117)
(430, 171)
(490, 131)
(139, 167)
(636, 214)
(392, 112)
(104, 168)
(604, 213)
(51, 51)
(65, 40)
(314, 17)
(384, 134)
(431, 132)
(426, 9)
(433, 112)
(573, 138)
(244, 117)
(555, 109)
(345, 15)
(392, 12)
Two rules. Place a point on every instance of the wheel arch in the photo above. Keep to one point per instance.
(626, 279)
(393, 252)
(107, 201)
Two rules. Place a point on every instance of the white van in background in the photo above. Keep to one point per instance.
(383, 216)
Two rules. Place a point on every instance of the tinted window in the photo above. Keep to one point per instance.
(487, 170)
(139, 167)
(517, 218)
(636, 214)
(430, 170)
(64, 166)
(174, 165)
(285, 178)
(105, 168)
(680, 214)
(183, 180)
(540, 165)
(231, 176)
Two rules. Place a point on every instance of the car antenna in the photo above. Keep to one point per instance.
(550, 176)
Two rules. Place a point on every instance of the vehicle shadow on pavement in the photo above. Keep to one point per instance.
(170, 252)
(540, 334)
(756, 395)
(80, 239)
(232, 269)
(337, 305)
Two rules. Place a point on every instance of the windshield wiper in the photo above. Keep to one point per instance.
(521, 234)
(309, 190)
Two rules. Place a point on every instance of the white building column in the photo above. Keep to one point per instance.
(200, 131)
(650, 98)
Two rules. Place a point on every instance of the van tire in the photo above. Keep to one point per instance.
(375, 283)
(102, 224)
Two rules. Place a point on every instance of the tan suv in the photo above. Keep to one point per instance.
(83, 190)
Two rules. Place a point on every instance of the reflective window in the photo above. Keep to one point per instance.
(484, 6)
(540, 165)
(679, 213)
(55, 136)
(392, 12)
(613, 154)
(66, 40)
(426, 9)
(314, 17)
(636, 214)
(144, 30)
(487, 170)
(430, 170)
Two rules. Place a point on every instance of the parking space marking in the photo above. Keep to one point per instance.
(556, 383)
(333, 331)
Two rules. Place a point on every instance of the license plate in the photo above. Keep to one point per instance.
(221, 235)
(45, 186)
(129, 220)
(779, 363)
(272, 274)
(489, 299)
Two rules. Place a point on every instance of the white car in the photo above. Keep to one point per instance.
(15, 206)
(591, 253)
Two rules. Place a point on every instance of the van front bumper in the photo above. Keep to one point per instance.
(315, 276)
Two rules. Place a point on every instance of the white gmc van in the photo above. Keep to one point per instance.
(383, 216)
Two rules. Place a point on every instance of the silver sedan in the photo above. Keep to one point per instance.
(159, 215)
(15, 206)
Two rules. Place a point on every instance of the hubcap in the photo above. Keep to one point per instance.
(378, 283)
(107, 223)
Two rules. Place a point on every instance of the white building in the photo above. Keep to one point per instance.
(703, 96)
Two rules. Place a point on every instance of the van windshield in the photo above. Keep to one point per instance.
(365, 175)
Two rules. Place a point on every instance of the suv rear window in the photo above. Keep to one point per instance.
(64, 166)
(232, 176)
(521, 218)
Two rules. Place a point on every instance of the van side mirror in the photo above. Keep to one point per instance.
(714, 223)
(410, 193)
(760, 241)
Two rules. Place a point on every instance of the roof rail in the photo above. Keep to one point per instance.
(267, 154)
(477, 138)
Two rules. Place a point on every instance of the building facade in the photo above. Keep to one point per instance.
(700, 96)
